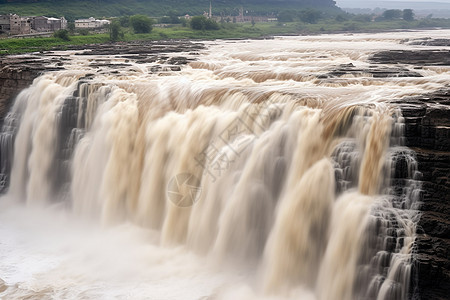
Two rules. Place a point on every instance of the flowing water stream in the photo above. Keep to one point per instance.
(248, 174)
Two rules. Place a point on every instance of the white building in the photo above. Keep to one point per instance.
(91, 23)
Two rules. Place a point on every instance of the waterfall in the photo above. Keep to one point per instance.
(302, 194)
(272, 188)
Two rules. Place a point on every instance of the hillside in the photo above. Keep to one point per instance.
(72, 9)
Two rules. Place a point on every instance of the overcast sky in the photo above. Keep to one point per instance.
(429, 4)
(363, 1)
(423, 1)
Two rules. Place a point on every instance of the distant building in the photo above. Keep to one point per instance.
(247, 19)
(57, 24)
(91, 23)
(45, 24)
(40, 24)
(14, 24)
(19, 25)
(5, 26)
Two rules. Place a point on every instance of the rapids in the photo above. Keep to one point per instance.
(246, 175)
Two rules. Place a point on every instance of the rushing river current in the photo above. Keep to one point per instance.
(248, 174)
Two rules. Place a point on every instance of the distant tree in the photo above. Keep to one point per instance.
(125, 11)
(408, 15)
(202, 23)
(62, 34)
(310, 16)
(198, 22)
(173, 15)
(115, 31)
(392, 14)
(171, 18)
(70, 17)
(340, 18)
(165, 20)
(71, 27)
(350, 26)
(141, 23)
(211, 25)
(286, 16)
(83, 31)
(363, 18)
(124, 21)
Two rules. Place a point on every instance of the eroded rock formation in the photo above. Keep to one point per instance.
(427, 131)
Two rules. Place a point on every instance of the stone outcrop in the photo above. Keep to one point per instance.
(373, 70)
(141, 48)
(427, 130)
(17, 73)
(428, 42)
(413, 57)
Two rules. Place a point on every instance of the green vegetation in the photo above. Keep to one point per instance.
(83, 31)
(396, 14)
(171, 18)
(408, 15)
(203, 23)
(71, 27)
(141, 24)
(392, 14)
(115, 31)
(303, 22)
(74, 9)
(62, 34)
(227, 30)
(13, 46)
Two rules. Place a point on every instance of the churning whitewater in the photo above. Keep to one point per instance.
(246, 175)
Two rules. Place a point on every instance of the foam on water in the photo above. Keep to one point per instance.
(246, 175)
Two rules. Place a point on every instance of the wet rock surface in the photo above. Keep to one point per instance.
(428, 42)
(427, 130)
(140, 48)
(373, 71)
(18, 72)
(413, 57)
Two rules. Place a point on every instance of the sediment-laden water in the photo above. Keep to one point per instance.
(260, 170)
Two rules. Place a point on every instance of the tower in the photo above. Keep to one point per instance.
(210, 9)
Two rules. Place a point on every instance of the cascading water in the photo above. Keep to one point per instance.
(298, 187)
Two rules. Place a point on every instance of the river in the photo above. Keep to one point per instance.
(263, 169)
